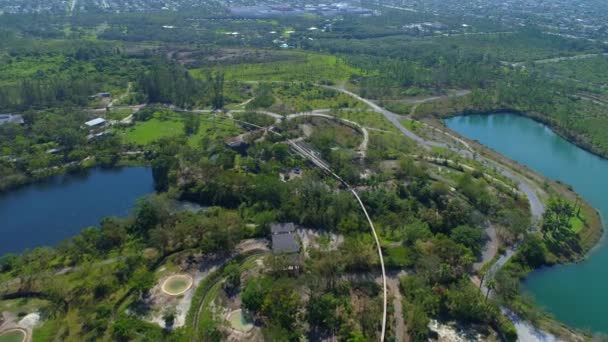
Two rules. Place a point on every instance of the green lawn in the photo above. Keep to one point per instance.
(46, 332)
(22, 305)
(170, 124)
(367, 119)
(144, 133)
(398, 257)
(577, 223)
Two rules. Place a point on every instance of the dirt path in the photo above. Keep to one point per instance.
(490, 248)
(418, 102)
(536, 206)
(524, 329)
(312, 156)
(526, 332)
(400, 327)
(320, 113)
(392, 117)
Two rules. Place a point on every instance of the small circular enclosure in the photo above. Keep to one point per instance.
(177, 284)
(13, 335)
(240, 321)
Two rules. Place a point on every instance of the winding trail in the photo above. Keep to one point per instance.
(322, 165)
(312, 156)
(525, 331)
(536, 206)
(320, 113)
(400, 326)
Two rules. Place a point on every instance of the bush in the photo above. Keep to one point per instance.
(144, 114)
(507, 329)
(399, 257)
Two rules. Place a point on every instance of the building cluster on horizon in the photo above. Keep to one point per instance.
(288, 9)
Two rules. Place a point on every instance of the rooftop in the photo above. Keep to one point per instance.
(285, 243)
(282, 228)
(95, 122)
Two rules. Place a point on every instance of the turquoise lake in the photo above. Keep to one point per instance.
(47, 212)
(577, 293)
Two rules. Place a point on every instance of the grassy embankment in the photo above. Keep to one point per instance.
(587, 226)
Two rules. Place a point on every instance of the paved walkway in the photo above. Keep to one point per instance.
(525, 330)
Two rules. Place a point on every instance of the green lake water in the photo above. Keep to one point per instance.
(576, 294)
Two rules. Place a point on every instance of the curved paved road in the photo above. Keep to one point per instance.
(525, 331)
(536, 206)
(310, 155)
(321, 113)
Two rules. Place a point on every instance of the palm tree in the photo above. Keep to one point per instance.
(491, 285)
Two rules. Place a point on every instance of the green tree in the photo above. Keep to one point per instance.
(323, 312)
(255, 292)
(469, 237)
(232, 273)
(192, 123)
(161, 167)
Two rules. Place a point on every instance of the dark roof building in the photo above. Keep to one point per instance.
(284, 243)
(281, 228)
(284, 238)
(10, 118)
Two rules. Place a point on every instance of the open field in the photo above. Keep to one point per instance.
(170, 124)
(303, 67)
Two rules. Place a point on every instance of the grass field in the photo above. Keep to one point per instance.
(170, 124)
(293, 98)
(577, 223)
(144, 133)
(46, 331)
(411, 125)
(302, 67)
(22, 305)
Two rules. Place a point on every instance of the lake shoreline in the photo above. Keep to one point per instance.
(515, 154)
(67, 204)
(83, 166)
(571, 137)
(595, 231)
